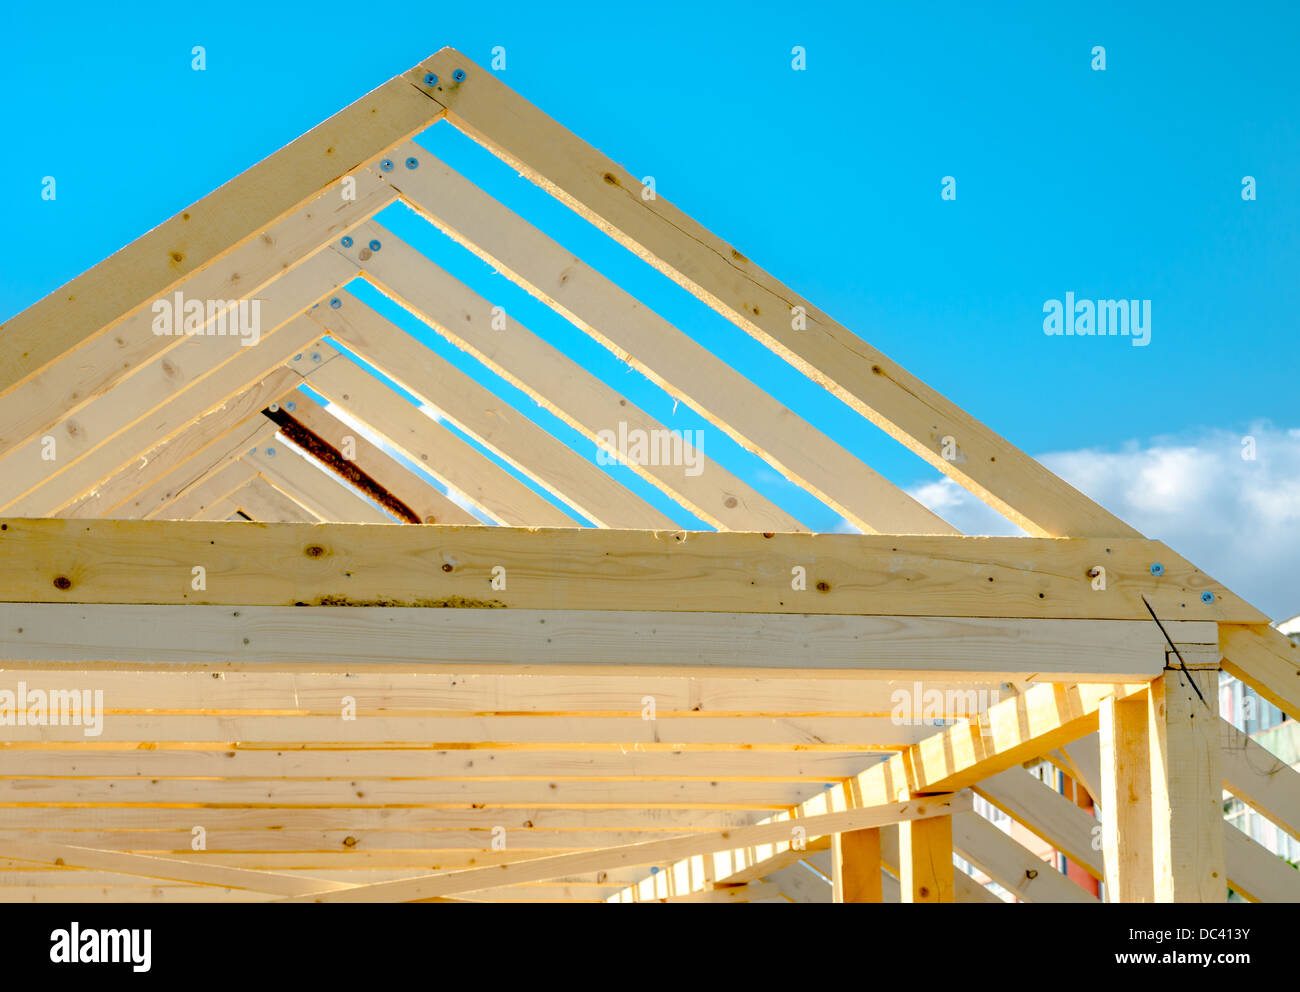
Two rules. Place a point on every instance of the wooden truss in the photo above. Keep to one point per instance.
(366, 694)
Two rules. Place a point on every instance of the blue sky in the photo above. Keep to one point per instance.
(1117, 183)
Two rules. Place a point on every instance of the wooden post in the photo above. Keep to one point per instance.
(1126, 784)
(1186, 787)
(856, 856)
(925, 858)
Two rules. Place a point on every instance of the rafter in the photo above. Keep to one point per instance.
(651, 852)
(636, 334)
(608, 196)
(209, 230)
(571, 478)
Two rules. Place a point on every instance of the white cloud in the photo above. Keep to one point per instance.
(1237, 519)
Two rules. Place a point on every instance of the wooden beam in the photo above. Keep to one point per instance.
(617, 641)
(649, 853)
(800, 883)
(123, 894)
(334, 462)
(1015, 730)
(323, 494)
(1187, 788)
(109, 360)
(1256, 872)
(562, 386)
(262, 501)
(667, 734)
(288, 795)
(1048, 814)
(401, 850)
(1260, 778)
(856, 858)
(1126, 796)
(416, 690)
(747, 892)
(925, 858)
(1084, 758)
(222, 509)
(1251, 870)
(360, 822)
(570, 392)
(213, 227)
(216, 437)
(1266, 660)
(491, 422)
(213, 489)
(428, 504)
(672, 360)
(576, 568)
(436, 448)
(246, 761)
(665, 237)
(213, 392)
(201, 373)
(1010, 864)
(173, 869)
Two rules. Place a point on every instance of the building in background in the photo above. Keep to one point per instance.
(1274, 731)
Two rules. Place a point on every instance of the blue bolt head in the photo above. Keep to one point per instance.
(430, 79)
(1157, 568)
(374, 245)
(335, 303)
(271, 452)
(315, 356)
(654, 870)
(458, 75)
(412, 162)
(298, 357)
(347, 241)
(291, 406)
(1207, 597)
(386, 165)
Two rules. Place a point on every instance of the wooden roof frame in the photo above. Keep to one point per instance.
(121, 563)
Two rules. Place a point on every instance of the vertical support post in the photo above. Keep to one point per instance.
(1187, 786)
(1126, 786)
(856, 857)
(925, 858)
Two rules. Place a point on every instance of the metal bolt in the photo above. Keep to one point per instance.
(374, 245)
(1207, 597)
(347, 241)
(412, 162)
(335, 303)
(1157, 568)
(458, 75)
(271, 452)
(274, 408)
(386, 165)
(291, 406)
(298, 357)
(430, 79)
(315, 356)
